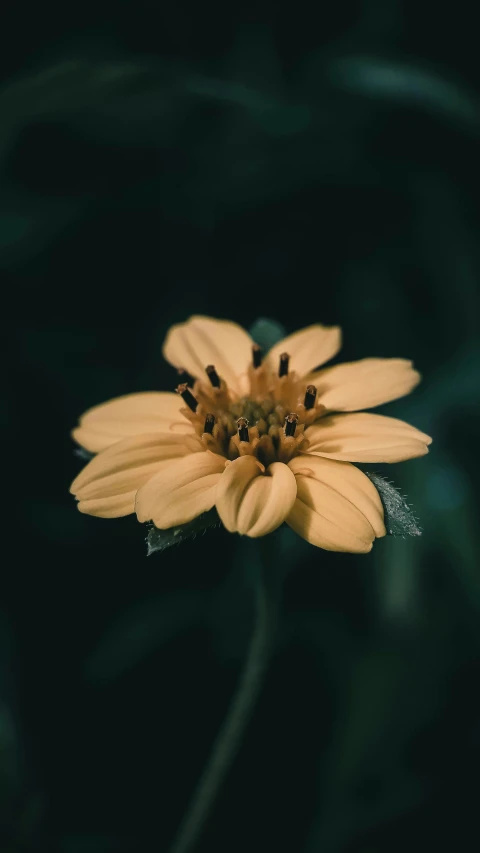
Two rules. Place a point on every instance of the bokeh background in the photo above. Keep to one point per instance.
(306, 164)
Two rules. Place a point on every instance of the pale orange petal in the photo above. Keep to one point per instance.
(133, 453)
(125, 466)
(363, 437)
(308, 348)
(202, 341)
(131, 415)
(364, 384)
(346, 479)
(182, 490)
(115, 506)
(251, 502)
(337, 507)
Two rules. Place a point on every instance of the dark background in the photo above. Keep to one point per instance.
(318, 164)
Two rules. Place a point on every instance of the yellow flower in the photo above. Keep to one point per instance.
(266, 438)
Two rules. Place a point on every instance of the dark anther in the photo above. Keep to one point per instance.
(209, 424)
(242, 425)
(291, 424)
(184, 376)
(187, 396)
(256, 355)
(213, 376)
(310, 397)
(283, 366)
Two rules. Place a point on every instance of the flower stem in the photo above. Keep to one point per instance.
(268, 592)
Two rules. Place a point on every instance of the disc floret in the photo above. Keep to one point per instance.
(268, 422)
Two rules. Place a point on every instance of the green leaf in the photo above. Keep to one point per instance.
(158, 540)
(83, 454)
(399, 517)
(409, 83)
(266, 333)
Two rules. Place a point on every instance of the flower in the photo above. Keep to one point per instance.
(267, 438)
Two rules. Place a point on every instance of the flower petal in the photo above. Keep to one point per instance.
(308, 348)
(133, 453)
(252, 503)
(346, 479)
(202, 341)
(182, 490)
(364, 384)
(130, 415)
(121, 469)
(363, 437)
(337, 506)
(114, 506)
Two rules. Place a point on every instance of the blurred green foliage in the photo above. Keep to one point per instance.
(157, 162)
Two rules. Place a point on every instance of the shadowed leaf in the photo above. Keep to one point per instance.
(267, 332)
(410, 83)
(399, 517)
(158, 540)
(86, 455)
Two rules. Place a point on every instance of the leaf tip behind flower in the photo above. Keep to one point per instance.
(266, 333)
(399, 516)
(159, 540)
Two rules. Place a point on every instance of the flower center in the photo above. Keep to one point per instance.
(268, 422)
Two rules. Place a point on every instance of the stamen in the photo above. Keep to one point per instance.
(187, 396)
(184, 376)
(213, 376)
(257, 355)
(283, 366)
(209, 424)
(291, 423)
(310, 397)
(242, 425)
